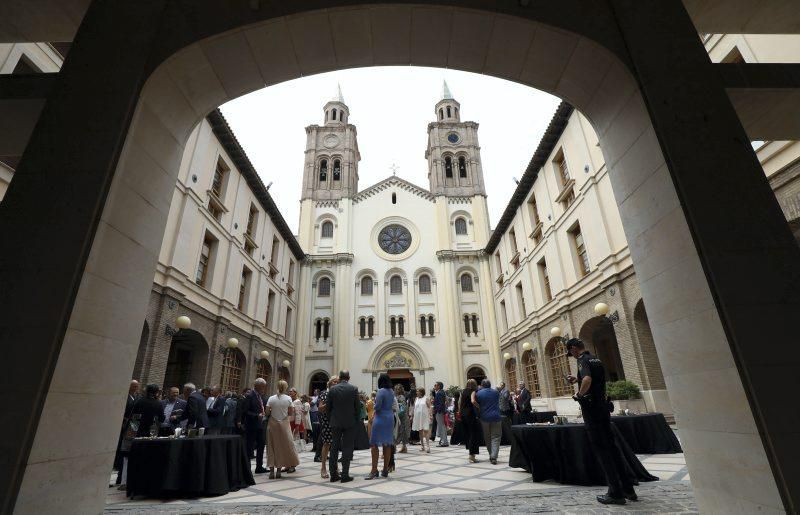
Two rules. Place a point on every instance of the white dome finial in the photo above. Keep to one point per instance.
(446, 95)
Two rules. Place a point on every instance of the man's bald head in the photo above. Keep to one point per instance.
(134, 387)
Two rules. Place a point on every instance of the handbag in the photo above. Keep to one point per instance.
(130, 432)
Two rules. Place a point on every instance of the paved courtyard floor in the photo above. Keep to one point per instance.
(440, 482)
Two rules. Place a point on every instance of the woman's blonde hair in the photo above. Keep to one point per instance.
(282, 386)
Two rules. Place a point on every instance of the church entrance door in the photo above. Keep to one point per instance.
(402, 376)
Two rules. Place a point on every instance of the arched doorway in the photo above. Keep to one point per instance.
(187, 360)
(318, 381)
(233, 363)
(284, 375)
(557, 357)
(264, 371)
(654, 377)
(404, 377)
(600, 338)
(476, 373)
(511, 374)
(530, 370)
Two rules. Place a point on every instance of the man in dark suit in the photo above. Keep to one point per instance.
(133, 391)
(524, 402)
(216, 412)
(196, 415)
(172, 407)
(343, 408)
(255, 422)
(439, 409)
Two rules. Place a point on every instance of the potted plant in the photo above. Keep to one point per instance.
(626, 396)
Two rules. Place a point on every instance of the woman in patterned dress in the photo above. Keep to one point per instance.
(324, 427)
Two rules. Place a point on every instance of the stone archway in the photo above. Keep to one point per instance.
(476, 372)
(318, 381)
(599, 336)
(187, 360)
(584, 52)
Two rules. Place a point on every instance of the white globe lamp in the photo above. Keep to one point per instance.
(507, 356)
(555, 331)
(233, 343)
(601, 309)
(264, 354)
(286, 363)
(183, 322)
(526, 346)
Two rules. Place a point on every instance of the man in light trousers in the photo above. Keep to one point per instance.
(439, 409)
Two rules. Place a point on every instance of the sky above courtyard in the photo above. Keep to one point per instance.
(391, 108)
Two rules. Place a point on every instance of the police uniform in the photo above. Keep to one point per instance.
(597, 417)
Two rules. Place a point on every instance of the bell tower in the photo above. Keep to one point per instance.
(453, 153)
(330, 169)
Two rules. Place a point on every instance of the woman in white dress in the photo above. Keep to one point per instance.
(422, 418)
(280, 444)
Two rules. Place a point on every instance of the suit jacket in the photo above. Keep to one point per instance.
(524, 401)
(150, 409)
(343, 405)
(253, 406)
(440, 402)
(216, 412)
(179, 409)
(128, 407)
(230, 413)
(196, 413)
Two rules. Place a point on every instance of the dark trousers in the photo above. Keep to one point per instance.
(608, 455)
(342, 439)
(472, 434)
(256, 439)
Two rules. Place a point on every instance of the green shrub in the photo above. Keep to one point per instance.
(452, 390)
(622, 390)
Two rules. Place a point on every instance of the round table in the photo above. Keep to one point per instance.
(188, 467)
(563, 453)
(648, 433)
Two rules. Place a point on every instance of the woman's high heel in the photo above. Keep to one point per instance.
(384, 473)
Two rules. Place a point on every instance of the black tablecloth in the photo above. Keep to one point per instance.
(188, 467)
(562, 453)
(648, 433)
(534, 416)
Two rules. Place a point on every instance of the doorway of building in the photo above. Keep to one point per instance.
(404, 377)
(188, 356)
(318, 381)
(476, 373)
(601, 339)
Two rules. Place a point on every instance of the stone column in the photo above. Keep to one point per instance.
(717, 264)
(490, 325)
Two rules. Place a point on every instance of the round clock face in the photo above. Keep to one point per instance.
(330, 141)
(394, 239)
(452, 137)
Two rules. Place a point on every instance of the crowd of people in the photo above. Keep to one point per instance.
(340, 419)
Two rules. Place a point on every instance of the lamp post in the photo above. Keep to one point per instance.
(602, 309)
(526, 346)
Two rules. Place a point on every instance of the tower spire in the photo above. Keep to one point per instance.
(338, 97)
(446, 95)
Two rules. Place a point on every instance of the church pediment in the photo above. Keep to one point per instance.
(393, 181)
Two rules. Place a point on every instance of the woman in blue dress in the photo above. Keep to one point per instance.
(382, 426)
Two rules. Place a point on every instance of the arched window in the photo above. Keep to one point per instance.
(326, 328)
(423, 329)
(511, 373)
(337, 170)
(393, 326)
(318, 329)
(327, 229)
(531, 368)
(264, 370)
(366, 285)
(559, 367)
(401, 325)
(461, 226)
(431, 329)
(448, 167)
(362, 327)
(462, 167)
(370, 326)
(394, 198)
(334, 114)
(231, 380)
(324, 288)
(466, 283)
(475, 324)
(395, 285)
(466, 325)
(449, 114)
(424, 283)
(441, 114)
(323, 170)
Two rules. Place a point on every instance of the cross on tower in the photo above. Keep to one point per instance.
(394, 169)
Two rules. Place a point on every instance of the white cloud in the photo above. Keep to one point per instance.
(391, 108)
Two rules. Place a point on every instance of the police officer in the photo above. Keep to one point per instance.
(597, 417)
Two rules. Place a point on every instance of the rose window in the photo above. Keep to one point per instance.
(394, 239)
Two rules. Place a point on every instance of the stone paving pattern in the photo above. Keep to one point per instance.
(441, 482)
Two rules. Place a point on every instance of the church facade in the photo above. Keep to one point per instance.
(393, 279)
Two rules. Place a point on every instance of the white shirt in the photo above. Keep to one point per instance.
(279, 404)
(210, 402)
